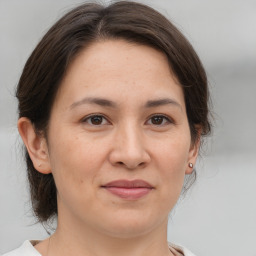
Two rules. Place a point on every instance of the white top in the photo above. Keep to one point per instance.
(27, 249)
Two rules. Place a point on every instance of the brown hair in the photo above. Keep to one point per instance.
(90, 22)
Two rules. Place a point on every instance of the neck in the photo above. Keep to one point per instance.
(75, 240)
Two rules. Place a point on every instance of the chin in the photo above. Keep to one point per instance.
(132, 225)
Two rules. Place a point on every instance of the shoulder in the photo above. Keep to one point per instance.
(179, 250)
(26, 249)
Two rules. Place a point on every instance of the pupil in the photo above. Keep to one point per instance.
(96, 120)
(157, 120)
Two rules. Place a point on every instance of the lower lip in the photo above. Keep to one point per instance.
(129, 193)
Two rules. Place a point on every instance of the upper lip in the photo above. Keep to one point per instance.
(128, 184)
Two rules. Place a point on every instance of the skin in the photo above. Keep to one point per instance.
(141, 132)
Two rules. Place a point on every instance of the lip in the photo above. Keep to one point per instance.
(129, 189)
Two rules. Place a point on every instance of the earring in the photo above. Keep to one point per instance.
(39, 165)
(190, 165)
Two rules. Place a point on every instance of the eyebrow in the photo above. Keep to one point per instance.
(98, 101)
(162, 102)
(108, 103)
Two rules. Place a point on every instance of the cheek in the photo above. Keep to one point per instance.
(172, 164)
(73, 162)
(172, 153)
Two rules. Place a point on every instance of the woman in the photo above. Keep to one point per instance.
(112, 107)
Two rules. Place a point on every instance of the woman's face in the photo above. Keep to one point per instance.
(119, 142)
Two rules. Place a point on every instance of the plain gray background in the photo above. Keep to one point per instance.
(218, 215)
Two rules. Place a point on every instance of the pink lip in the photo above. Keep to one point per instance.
(130, 190)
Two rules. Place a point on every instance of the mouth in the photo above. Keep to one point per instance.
(129, 190)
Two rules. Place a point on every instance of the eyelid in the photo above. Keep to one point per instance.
(168, 118)
(86, 118)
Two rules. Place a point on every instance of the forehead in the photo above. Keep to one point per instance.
(119, 68)
(114, 55)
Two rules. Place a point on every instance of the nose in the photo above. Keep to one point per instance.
(129, 150)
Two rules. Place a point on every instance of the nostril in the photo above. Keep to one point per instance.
(129, 165)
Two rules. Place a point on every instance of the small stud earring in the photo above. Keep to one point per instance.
(39, 165)
(190, 165)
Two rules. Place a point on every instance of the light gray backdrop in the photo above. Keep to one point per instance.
(218, 215)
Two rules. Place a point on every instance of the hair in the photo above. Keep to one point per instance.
(90, 22)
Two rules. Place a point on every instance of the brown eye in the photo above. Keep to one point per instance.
(95, 120)
(159, 120)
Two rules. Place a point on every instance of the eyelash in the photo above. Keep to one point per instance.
(88, 119)
(168, 120)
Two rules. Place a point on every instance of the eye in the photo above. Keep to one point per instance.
(95, 120)
(159, 120)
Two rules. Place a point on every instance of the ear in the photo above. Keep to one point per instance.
(193, 153)
(36, 145)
